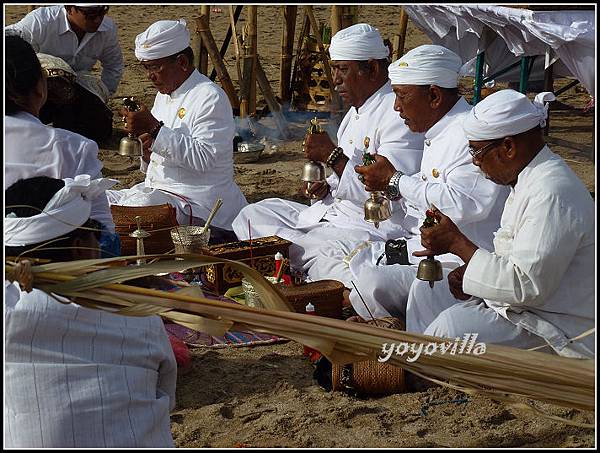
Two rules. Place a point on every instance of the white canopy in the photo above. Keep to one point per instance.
(506, 34)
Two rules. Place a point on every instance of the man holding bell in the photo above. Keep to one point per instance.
(359, 61)
(187, 136)
(425, 82)
(81, 35)
(536, 285)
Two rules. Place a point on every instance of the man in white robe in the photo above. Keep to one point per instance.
(187, 136)
(425, 82)
(536, 286)
(76, 377)
(81, 35)
(359, 61)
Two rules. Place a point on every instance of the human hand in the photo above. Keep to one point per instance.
(455, 283)
(315, 190)
(147, 142)
(317, 147)
(377, 175)
(139, 122)
(442, 237)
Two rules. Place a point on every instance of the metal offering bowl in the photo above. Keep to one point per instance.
(247, 152)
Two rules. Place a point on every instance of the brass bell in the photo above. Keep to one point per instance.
(313, 171)
(131, 145)
(377, 209)
(139, 235)
(430, 270)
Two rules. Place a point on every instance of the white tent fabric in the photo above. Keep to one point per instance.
(506, 34)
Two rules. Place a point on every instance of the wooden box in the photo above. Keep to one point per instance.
(218, 278)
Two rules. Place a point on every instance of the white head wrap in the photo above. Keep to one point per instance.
(357, 43)
(506, 113)
(56, 66)
(68, 209)
(162, 39)
(426, 65)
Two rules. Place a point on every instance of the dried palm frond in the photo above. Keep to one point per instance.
(501, 373)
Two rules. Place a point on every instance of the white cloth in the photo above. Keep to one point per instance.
(541, 274)
(460, 191)
(343, 206)
(76, 377)
(68, 209)
(358, 42)
(192, 155)
(48, 31)
(506, 113)
(426, 65)
(515, 32)
(33, 149)
(162, 39)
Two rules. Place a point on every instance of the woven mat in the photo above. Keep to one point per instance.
(196, 339)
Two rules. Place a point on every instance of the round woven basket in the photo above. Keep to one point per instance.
(370, 377)
(325, 295)
(190, 239)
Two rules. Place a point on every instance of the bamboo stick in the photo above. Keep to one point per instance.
(203, 57)
(335, 99)
(336, 19)
(236, 43)
(400, 38)
(303, 32)
(267, 92)
(211, 47)
(253, 45)
(287, 47)
(229, 34)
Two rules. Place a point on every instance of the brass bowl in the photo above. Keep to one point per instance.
(248, 152)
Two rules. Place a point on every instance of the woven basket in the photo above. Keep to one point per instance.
(325, 295)
(160, 217)
(370, 377)
(190, 239)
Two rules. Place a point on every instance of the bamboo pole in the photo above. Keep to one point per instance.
(303, 32)
(203, 57)
(236, 44)
(335, 99)
(400, 38)
(267, 92)
(211, 48)
(228, 36)
(287, 47)
(252, 41)
(247, 103)
(336, 19)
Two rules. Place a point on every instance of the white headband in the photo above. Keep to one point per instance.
(68, 209)
(162, 39)
(506, 113)
(427, 65)
(358, 42)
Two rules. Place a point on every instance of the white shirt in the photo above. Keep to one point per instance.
(541, 274)
(33, 149)
(449, 180)
(193, 152)
(389, 137)
(77, 377)
(48, 31)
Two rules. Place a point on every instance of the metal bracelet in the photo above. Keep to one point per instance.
(335, 154)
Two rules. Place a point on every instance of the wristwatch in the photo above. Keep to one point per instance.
(393, 188)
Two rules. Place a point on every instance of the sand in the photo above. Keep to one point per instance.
(265, 396)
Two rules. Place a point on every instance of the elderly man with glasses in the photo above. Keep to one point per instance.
(80, 35)
(425, 81)
(535, 286)
(187, 136)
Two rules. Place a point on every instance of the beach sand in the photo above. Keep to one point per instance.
(265, 396)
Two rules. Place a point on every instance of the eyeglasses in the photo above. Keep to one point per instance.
(93, 13)
(155, 68)
(479, 153)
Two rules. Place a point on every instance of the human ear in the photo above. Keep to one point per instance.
(435, 96)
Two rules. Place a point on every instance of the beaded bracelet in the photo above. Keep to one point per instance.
(335, 154)
(155, 129)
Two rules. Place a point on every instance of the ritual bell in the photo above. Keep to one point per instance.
(430, 269)
(131, 145)
(377, 207)
(313, 171)
(139, 235)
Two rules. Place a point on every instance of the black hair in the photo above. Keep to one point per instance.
(363, 65)
(188, 52)
(36, 192)
(22, 72)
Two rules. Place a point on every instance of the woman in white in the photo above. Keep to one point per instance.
(73, 376)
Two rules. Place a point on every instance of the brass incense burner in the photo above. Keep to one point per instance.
(377, 208)
(312, 171)
(131, 146)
